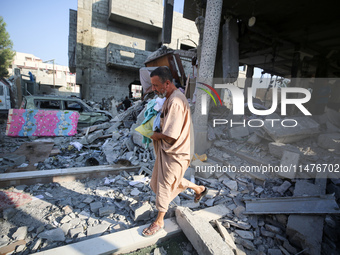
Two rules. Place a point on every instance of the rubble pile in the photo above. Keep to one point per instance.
(64, 213)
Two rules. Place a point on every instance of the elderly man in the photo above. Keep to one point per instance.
(172, 147)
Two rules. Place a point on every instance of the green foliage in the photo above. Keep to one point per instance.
(6, 52)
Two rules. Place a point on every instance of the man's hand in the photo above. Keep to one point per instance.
(159, 136)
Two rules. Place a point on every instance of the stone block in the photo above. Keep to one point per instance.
(142, 212)
(201, 234)
(238, 132)
(289, 161)
(53, 235)
(245, 234)
(107, 210)
(306, 232)
(97, 230)
(254, 139)
(329, 141)
(95, 206)
(305, 127)
(230, 184)
(20, 233)
(93, 136)
(284, 187)
(277, 149)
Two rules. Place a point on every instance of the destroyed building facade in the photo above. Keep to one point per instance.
(110, 40)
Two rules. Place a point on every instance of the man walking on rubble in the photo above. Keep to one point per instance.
(172, 147)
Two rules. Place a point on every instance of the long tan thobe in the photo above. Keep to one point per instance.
(172, 159)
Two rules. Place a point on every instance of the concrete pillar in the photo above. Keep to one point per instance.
(206, 71)
(167, 21)
(249, 80)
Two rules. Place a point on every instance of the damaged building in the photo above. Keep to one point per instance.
(273, 178)
(110, 40)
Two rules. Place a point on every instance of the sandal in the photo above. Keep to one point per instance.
(198, 197)
(151, 230)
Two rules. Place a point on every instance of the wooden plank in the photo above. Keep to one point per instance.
(293, 205)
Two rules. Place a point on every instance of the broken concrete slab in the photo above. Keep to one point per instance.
(254, 139)
(306, 232)
(230, 184)
(329, 141)
(107, 210)
(292, 205)
(284, 187)
(245, 234)
(289, 163)
(142, 212)
(97, 230)
(53, 235)
(201, 234)
(238, 132)
(277, 149)
(225, 235)
(304, 128)
(20, 233)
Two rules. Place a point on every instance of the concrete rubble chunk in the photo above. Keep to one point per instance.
(20, 233)
(225, 235)
(135, 192)
(290, 161)
(97, 230)
(76, 231)
(92, 137)
(277, 149)
(37, 244)
(65, 219)
(230, 184)
(211, 193)
(95, 206)
(142, 212)
(306, 231)
(284, 187)
(274, 252)
(114, 127)
(245, 243)
(238, 132)
(53, 235)
(273, 229)
(201, 234)
(304, 128)
(66, 227)
(254, 139)
(245, 234)
(238, 211)
(107, 210)
(329, 141)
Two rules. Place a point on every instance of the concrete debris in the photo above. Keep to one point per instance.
(304, 128)
(277, 149)
(329, 141)
(53, 235)
(201, 234)
(76, 210)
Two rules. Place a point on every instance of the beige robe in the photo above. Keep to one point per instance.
(172, 159)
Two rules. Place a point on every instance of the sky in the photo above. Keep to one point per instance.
(41, 27)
